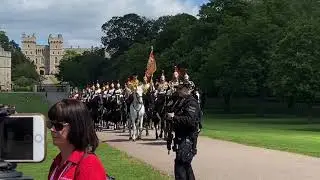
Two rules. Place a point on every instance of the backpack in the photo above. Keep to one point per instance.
(77, 168)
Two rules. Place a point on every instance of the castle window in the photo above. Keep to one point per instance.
(56, 60)
(36, 60)
(28, 45)
(52, 52)
(56, 46)
(58, 52)
(26, 52)
(30, 52)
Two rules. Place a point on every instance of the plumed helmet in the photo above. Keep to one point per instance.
(162, 76)
(175, 73)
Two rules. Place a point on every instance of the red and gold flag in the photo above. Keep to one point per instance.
(152, 65)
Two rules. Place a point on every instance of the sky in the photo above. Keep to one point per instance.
(79, 21)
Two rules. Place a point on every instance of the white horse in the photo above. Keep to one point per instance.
(137, 111)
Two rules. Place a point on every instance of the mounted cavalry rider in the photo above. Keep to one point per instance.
(105, 91)
(163, 85)
(126, 91)
(118, 90)
(134, 82)
(186, 80)
(111, 90)
(146, 85)
(161, 90)
(175, 78)
(98, 90)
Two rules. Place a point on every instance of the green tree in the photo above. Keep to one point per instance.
(23, 71)
(296, 66)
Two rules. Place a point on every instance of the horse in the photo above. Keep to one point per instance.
(150, 115)
(94, 106)
(137, 111)
(116, 115)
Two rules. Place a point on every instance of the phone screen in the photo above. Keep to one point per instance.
(17, 138)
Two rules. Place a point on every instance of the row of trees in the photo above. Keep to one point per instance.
(23, 72)
(235, 47)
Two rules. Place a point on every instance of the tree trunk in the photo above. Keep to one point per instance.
(310, 105)
(227, 99)
(291, 102)
(260, 112)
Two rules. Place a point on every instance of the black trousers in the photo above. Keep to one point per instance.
(183, 171)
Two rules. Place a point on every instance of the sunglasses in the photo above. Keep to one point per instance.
(58, 126)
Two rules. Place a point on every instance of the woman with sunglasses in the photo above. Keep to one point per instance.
(73, 133)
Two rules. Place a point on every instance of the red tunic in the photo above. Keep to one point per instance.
(90, 168)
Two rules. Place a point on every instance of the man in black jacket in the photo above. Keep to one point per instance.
(185, 121)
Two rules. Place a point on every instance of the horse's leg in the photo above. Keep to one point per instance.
(134, 127)
(147, 127)
(161, 125)
(156, 130)
(130, 127)
(165, 129)
(140, 126)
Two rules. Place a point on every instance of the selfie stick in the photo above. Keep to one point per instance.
(7, 169)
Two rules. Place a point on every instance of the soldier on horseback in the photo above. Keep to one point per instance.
(146, 85)
(186, 80)
(111, 90)
(134, 82)
(175, 79)
(98, 89)
(163, 85)
(118, 90)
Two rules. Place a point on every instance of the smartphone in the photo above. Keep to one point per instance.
(23, 138)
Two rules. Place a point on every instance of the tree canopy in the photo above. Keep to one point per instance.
(23, 72)
(232, 48)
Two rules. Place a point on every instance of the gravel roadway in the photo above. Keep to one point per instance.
(221, 160)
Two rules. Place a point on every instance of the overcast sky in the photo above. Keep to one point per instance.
(79, 21)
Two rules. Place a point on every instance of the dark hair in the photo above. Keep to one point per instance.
(82, 133)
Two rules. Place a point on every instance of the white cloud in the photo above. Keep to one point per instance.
(79, 21)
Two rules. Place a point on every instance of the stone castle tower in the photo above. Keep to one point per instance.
(5, 70)
(45, 57)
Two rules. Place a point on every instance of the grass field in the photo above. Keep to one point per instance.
(287, 134)
(117, 164)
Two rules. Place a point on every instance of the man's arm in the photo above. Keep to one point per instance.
(189, 116)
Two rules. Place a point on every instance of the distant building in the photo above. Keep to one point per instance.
(46, 57)
(5, 70)
(77, 49)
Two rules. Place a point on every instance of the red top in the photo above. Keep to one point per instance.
(90, 168)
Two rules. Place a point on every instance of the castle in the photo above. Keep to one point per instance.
(5, 70)
(46, 57)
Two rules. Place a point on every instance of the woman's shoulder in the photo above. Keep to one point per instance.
(92, 168)
(92, 160)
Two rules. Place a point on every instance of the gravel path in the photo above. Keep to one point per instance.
(221, 160)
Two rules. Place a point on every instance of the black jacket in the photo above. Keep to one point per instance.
(187, 117)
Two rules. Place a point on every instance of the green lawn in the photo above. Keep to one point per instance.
(118, 164)
(287, 134)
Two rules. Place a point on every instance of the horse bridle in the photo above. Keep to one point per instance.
(137, 96)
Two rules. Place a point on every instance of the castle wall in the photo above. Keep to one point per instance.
(5, 69)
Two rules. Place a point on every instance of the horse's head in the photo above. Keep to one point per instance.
(138, 94)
